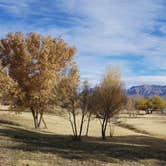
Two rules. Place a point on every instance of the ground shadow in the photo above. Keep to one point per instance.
(132, 148)
(131, 127)
(7, 122)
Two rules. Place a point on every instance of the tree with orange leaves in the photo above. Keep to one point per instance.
(34, 63)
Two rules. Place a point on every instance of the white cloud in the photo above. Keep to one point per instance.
(102, 28)
(139, 80)
(107, 26)
(116, 26)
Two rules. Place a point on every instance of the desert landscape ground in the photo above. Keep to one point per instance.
(137, 141)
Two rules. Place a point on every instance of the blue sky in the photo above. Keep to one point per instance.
(130, 34)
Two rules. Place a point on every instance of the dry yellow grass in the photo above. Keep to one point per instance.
(21, 145)
(154, 124)
(61, 125)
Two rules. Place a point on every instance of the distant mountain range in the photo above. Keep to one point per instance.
(147, 91)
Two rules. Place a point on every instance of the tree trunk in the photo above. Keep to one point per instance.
(35, 118)
(45, 126)
(111, 128)
(103, 134)
(35, 123)
(40, 119)
(87, 129)
(81, 125)
(106, 122)
(72, 126)
(75, 123)
(147, 111)
(104, 127)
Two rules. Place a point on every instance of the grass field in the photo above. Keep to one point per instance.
(137, 141)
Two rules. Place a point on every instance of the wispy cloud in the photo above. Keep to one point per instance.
(139, 80)
(131, 34)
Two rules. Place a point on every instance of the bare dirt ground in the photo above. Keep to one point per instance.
(137, 141)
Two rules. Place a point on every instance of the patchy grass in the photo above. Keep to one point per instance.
(21, 145)
(153, 124)
(131, 127)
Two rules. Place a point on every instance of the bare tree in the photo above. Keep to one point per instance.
(91, 107)
(130, 106)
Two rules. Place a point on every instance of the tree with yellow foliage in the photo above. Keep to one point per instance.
(110, 98)
(34, 63)
(67, 96)
(149, 105)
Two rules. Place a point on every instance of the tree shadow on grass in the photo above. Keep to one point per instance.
(7, 122)
(130, 148)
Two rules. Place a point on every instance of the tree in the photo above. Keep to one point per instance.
(150, 104)
(74, 99)
(7, 86)
(141, 104)
(67, 96)
(110, 98)
(158, 103)
(91, 107)
(85, 105)
(130, 106)
(34, 63)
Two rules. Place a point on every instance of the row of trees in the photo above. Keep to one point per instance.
(37, 73)
(149, 105)
(103, 101)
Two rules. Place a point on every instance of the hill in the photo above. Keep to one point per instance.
(147, 91)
